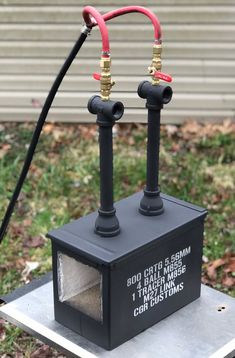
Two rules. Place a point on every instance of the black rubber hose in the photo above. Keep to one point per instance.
(38, 129)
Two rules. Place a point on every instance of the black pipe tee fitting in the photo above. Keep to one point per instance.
(156, 95)
(108, 112)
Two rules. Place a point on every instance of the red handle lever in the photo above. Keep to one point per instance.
(96, 76)
(162, 76)
(157, 74)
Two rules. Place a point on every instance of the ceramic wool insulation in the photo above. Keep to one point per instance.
(80, 286)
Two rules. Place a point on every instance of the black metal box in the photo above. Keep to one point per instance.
(110, 289)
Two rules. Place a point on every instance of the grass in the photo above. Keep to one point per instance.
(197, 165)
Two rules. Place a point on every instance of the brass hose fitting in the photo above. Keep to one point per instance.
(156, 64)
(106, 82)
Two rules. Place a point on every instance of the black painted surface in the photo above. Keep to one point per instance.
(143, 242)
(137, 231)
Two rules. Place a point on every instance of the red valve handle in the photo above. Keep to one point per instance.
(159, 75)
(162, 76)
(96, 76)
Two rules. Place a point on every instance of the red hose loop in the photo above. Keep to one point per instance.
(127, 9)
(92, 17)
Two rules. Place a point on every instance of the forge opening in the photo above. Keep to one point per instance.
(80, 286)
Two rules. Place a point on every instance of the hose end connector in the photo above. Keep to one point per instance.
(86, 30)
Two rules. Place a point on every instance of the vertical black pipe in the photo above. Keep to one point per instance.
(106, 168)
(108, 112)
(153, 150)
(156, 96)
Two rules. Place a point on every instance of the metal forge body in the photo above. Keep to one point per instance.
(110, 289)
(118, 273)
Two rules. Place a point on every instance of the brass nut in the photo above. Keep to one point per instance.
(157, 63)
(105, 63)
(155, 81)
(157, 50)
(105, 77)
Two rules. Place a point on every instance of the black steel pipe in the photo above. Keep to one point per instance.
(153, 145)
(151, 203)
(106, 168)
(108, 112)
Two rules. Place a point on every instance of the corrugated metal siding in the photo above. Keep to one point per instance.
(199, 51)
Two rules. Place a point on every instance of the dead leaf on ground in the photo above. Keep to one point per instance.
(88, 131)
(189, 128)
(4, 150)
(212, 267)
(230, 263)
(42, 352)
(17, 230)
(21, 204)
(19, 355)
(175, 147)
(226, 264)
(171, 130)
(20, 263)
(36, 171)
(2, 330)
(29, 267)
(193, 130)
(27, 222)
(228, 281)
(226, 127)
(48, 128)
(34, 241)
